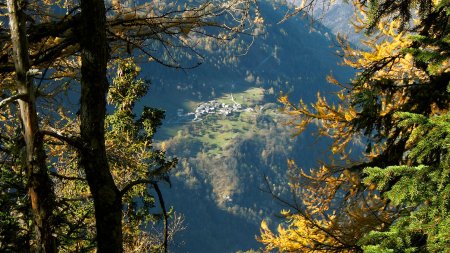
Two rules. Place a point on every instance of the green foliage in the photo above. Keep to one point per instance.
(15, 210)
(135, 165)
(130, 141)
(401, 10)
(150, 119)
(126, 89)
(15, 230)
(422, 192)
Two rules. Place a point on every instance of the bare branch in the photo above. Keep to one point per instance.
(163, 207)
(66, 177)
(11, 99)
(161, 202)
(132, 184)
(74, 141)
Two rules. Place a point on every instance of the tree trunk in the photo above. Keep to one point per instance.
(94, 87)
(38, 181)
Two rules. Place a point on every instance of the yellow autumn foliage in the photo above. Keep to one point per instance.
(301, 235)
(333, 209)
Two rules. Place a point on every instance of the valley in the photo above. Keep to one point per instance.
(223, 123)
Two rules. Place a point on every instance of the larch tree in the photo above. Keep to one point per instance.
(74, 43)
(38, 182)
(396, 198)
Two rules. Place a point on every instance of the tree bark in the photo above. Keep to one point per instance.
(38, 180)
(94, 88)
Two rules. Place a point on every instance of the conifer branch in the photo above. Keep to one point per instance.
(132, 184)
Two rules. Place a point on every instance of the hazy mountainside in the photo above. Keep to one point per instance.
(338, 18)
(224, 126)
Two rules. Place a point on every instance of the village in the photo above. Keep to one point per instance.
(214, 107)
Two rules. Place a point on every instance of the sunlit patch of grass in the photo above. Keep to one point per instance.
(247, 98)
(216, 132)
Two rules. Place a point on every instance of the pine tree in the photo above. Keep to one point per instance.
(136, 167)
(396, 198)
(421, 190)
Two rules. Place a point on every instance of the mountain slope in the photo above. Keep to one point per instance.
(224, 158)
(338, 17)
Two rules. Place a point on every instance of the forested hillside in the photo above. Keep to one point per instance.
(224, 159)
(224, 126)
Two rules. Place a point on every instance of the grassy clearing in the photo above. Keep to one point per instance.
(216, 132)
(247, 98)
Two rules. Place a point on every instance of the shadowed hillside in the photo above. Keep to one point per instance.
(219, 183)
